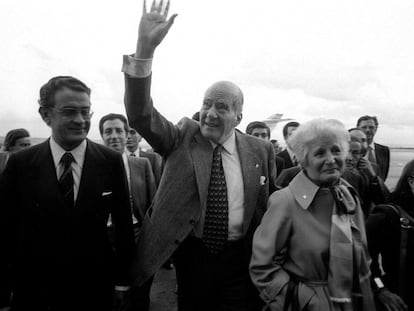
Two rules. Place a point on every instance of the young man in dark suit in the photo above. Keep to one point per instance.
(134, 150)
(260, 130)
(213, 191)
(287, 154)
(377, 154)
(56, 199)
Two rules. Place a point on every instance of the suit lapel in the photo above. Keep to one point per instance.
(202, 155)
(45, 171)
(251, 167)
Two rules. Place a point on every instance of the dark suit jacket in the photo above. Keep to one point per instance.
(4, 156)
(156, 164)
(182, 192)
(280, 165)
(382, 156)
(286, 157)
(143, 186)
(55, 256)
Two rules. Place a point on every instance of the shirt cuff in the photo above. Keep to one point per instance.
(122, 288)
(136, 67)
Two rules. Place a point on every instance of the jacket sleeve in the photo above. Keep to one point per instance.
(160, 133)
(270, 243)
(8, 229)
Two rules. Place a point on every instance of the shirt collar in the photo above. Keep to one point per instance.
(303, 189)
(78, 153)
(229, 145)
(372, 145)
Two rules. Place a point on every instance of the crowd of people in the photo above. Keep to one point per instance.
(248, 226)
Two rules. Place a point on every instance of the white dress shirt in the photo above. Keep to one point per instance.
(78, 155)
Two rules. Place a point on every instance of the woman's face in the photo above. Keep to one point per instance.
(324, 162)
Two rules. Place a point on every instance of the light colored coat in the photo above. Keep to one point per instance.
(293, 240)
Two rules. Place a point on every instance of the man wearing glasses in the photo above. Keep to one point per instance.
(56, 199)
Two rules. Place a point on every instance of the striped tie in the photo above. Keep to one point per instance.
(66, 179)
(215, 232)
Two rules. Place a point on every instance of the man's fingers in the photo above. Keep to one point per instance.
(153, 6)
(160, 6)
(167, 7)
(144, 9)
(171, 20)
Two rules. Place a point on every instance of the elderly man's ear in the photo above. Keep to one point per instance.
(239, 118)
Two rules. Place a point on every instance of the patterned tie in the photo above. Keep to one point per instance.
(215, 231)
(371, 157)
(66, 180)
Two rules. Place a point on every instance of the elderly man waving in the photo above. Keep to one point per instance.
(213, 191)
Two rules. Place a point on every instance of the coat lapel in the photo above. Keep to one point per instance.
(45, 171)
(251, 166)
(202, 155)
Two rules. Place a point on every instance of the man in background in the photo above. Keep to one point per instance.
(134, 150)
(287, 155)
(114, 128)
(16, 140)
(376, 153)
(260, 130)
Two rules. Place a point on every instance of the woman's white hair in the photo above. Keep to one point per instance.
(313, 132)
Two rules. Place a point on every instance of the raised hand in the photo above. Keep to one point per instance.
(153, 27)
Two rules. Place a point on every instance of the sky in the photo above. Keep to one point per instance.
(303, 58)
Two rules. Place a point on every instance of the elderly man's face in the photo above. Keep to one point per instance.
(218, 114)
(369, 128)
(20, 144)
(324, 162)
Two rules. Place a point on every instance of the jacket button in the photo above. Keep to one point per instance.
(192, 221)
(177, 242)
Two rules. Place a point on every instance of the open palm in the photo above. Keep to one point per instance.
(154, 24)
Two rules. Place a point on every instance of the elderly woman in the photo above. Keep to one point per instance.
(309, 253)
(15, 140)
(389, 236)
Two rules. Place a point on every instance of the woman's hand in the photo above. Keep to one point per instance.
(390, 301)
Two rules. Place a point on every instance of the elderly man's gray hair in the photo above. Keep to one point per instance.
(313, 132)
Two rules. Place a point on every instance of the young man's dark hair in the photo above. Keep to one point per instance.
(287, 125)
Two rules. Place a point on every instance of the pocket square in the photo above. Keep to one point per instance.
(262, 180)
(105, 193)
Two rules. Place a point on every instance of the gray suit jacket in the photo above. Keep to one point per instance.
(182, 192)
(142, 185)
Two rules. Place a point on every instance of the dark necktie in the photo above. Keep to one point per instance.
(215, 232)
(66, 180)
